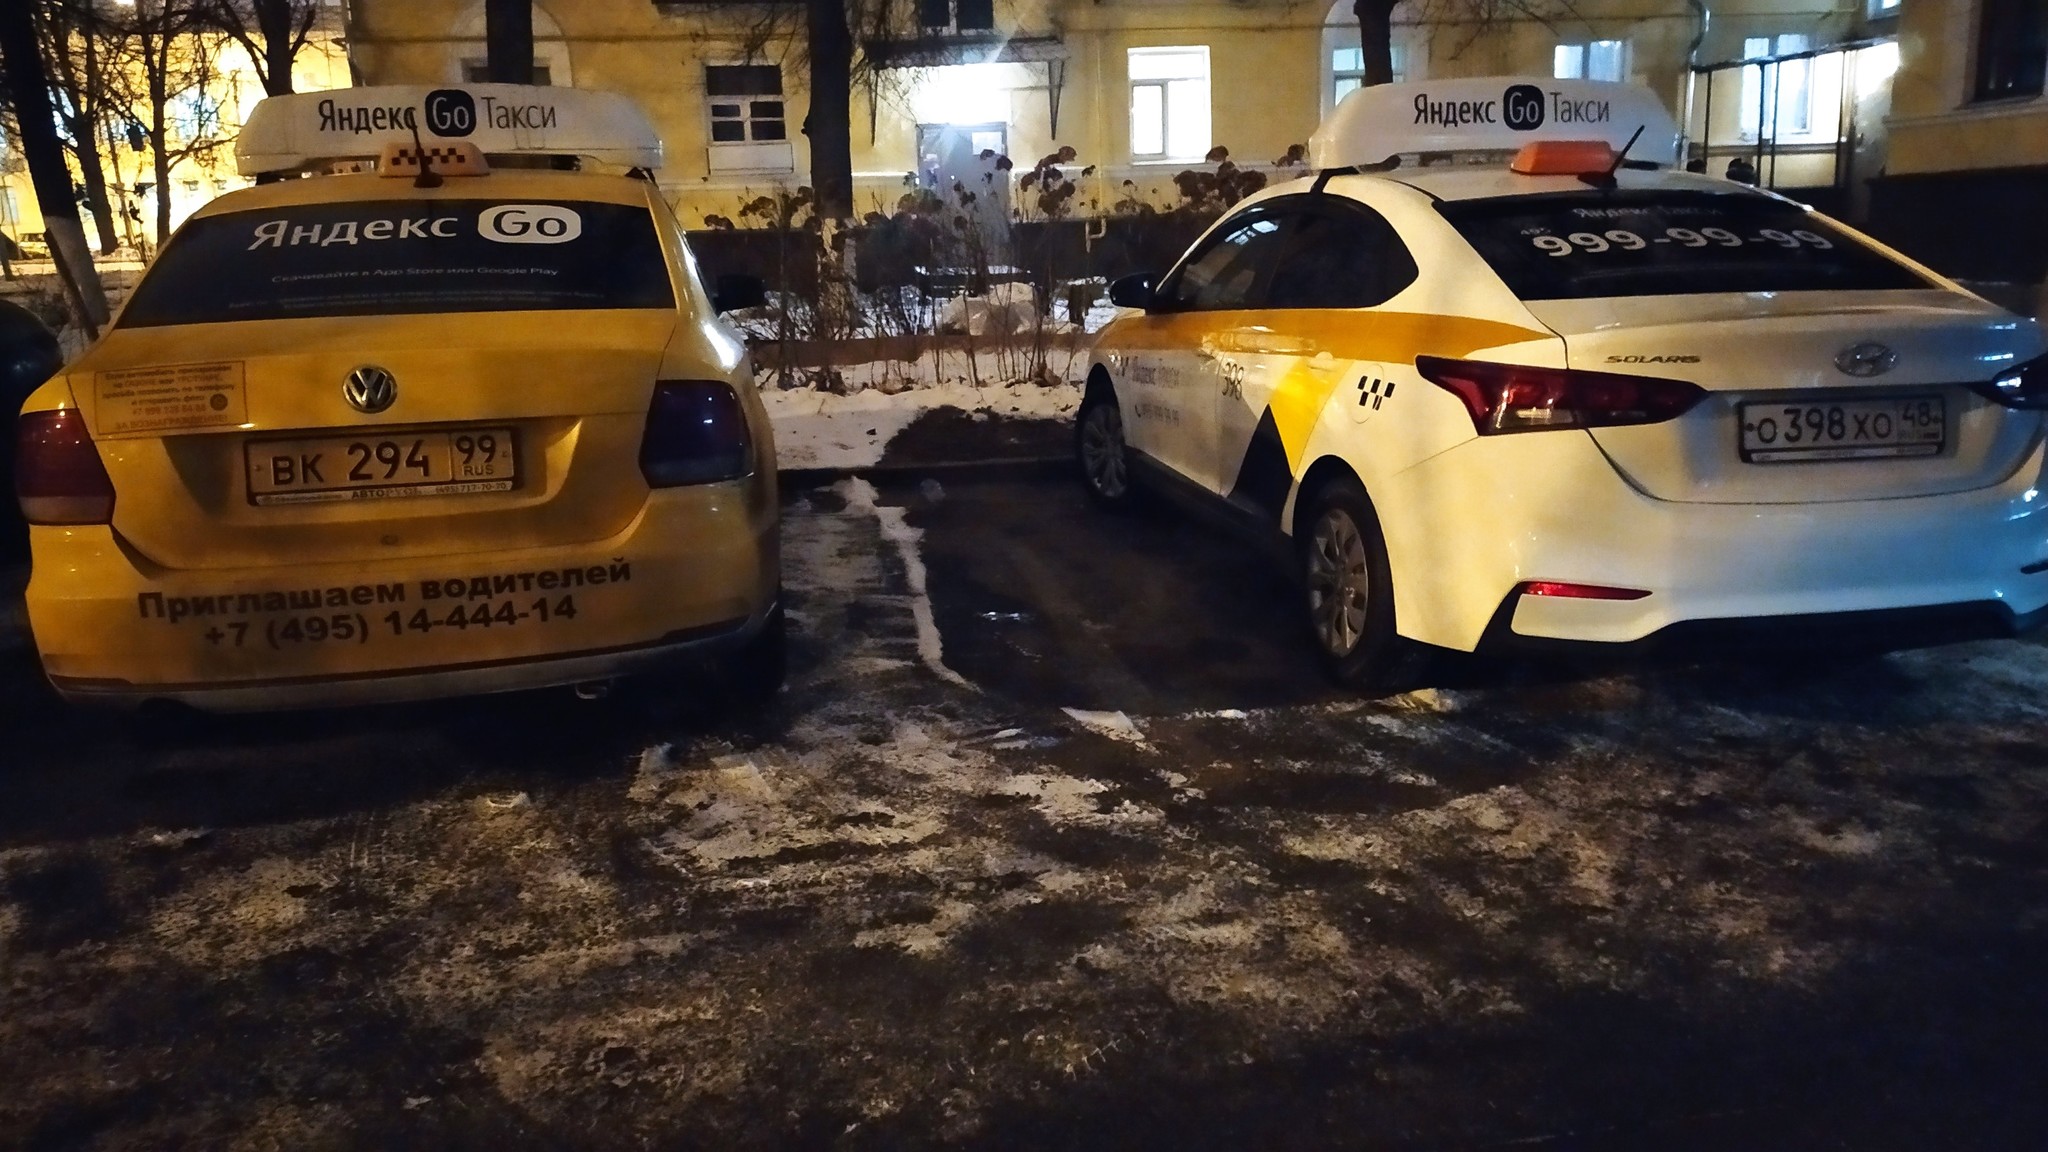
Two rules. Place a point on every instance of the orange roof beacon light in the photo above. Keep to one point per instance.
(1563, 158)
(446, 158)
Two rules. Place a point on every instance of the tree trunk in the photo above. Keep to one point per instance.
(76, 81)
(1376, 37)
(274, 21)
(830, 122)
(159, 146)
(29, 92)
(94, 174)
(508, 31)
(157, 66)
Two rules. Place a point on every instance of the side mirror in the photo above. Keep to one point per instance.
(1132, 291)
(734, 291)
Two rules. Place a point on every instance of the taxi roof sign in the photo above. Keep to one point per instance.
(291, 133)
(1491, 114)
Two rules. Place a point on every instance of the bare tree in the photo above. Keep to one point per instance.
(271, 31)
(172, 77)
(1376, 38)
(830, 43)
(28, 92)
(83, 57)
(1475, 17)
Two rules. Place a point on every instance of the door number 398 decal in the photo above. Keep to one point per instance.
(1233, 378)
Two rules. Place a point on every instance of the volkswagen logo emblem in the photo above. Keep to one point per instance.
(1867, 359)
(372, 389)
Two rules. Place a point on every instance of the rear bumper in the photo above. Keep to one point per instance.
(1549, 507)
(1826, 633)
(433, 683)
(694, 574)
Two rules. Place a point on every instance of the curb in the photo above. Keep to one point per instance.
(1008, 468)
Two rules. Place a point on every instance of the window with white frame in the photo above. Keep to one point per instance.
(1169, 103)
(1777, 99)
(1881, 9)
(1593, 60)
(1347, 69)
(749, 126)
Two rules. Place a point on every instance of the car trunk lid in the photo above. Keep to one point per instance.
(1814, 377)
(190, 421)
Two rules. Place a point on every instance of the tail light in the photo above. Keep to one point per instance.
(1568, 591)
(696, 434)
(57, 471)
(1520, 398)
(2023, 387)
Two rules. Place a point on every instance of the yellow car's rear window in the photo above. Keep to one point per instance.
(405, 257)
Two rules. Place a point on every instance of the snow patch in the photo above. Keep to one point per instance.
(1114, 725)
(860, 497)
(816, 429)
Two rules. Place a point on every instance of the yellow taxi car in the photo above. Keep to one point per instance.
(462, 420)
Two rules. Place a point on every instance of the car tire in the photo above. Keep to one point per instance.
(1348, 593)
(754, 674)
(1100, 451)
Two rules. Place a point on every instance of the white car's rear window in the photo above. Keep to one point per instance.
(1578, 245)
(404, 257)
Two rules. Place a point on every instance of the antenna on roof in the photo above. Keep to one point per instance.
(1605, 180)
(428, 178)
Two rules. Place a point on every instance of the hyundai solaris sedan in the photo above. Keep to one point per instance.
(1560, 394)
(423, 429)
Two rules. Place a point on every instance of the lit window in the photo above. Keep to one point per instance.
(1169, 103)
(1597, 60)
(1777, 99)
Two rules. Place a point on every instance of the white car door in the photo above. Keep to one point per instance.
(1338, 261)
(1181, 353)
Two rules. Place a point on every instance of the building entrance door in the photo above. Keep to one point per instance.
(966, 155)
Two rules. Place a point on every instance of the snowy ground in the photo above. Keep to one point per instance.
(825, 429)
(1053, 842)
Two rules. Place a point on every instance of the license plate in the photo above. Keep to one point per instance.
(1780, 432)
(370, 467)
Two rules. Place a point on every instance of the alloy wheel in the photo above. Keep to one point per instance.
(1102, 452)
(1339, 582)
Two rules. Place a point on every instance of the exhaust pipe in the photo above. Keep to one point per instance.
(593, 689)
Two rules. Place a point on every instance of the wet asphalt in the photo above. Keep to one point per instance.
(1055, 840)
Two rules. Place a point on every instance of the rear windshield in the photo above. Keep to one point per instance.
(1576, 245)
(404, 257)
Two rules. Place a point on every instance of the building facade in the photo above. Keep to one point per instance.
(1140, 90)
(1968, 168)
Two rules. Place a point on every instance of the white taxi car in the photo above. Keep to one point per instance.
(458, 418)
(1552, 392)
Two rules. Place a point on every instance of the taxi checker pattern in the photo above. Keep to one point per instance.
(1537, 399)
(234, 503)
